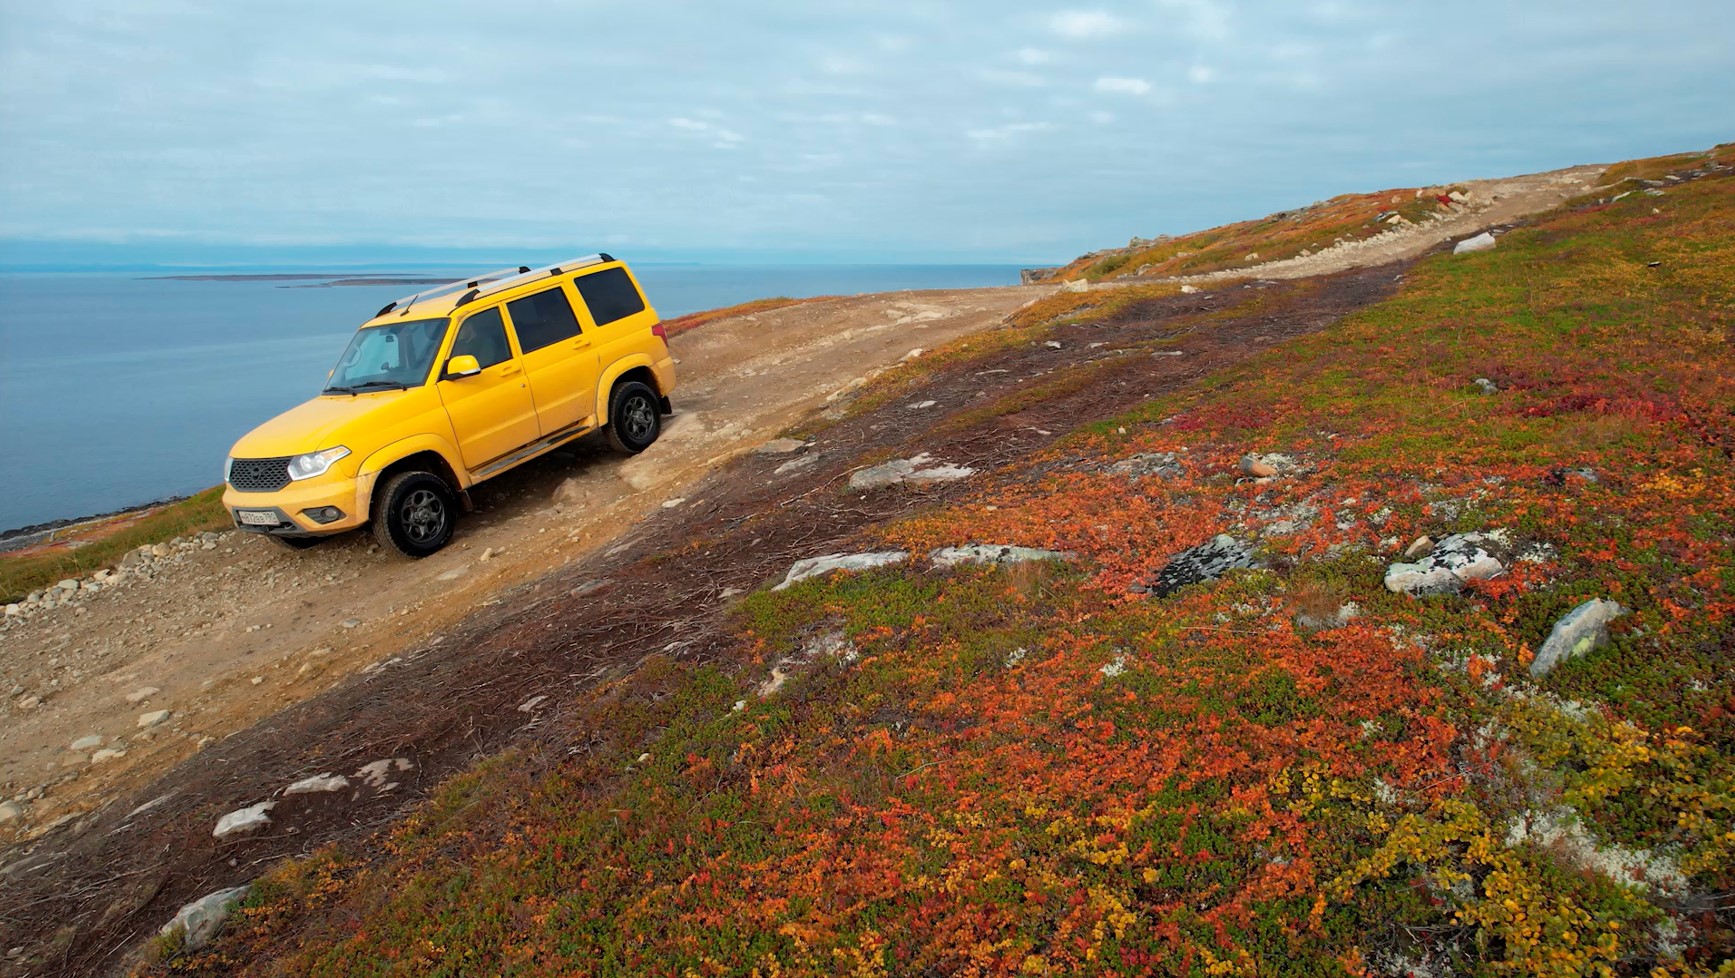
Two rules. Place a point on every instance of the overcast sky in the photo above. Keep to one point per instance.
(800, 129)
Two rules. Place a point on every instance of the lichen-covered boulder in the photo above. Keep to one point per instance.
(1578, 631)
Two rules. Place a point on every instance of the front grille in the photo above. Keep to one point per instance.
(259, 474)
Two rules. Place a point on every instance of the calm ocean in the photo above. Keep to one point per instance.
(117, 390)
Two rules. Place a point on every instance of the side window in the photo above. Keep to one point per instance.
(610, 294)
(541, 319)
(483, 336)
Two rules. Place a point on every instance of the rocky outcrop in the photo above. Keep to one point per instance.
(918, 469)
(1452, 563)
(1205, 562)
(801, 570)
(200, 920)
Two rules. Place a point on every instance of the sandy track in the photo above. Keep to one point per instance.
(234, 634)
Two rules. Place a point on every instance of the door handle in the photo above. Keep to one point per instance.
(510, 371)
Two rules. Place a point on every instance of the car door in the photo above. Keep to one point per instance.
(492, 412)
(558, 358)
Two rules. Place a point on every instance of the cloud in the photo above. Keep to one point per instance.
(723, 138)
(1100, 117)
(1032, 56)
(1014, 79)
(1084, 25)
(1123, 86)
(1206, 20)
(1200, 74)
(1001, 133)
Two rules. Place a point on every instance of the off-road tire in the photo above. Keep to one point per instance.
(297, 543)
(635, 418)
(414, 514)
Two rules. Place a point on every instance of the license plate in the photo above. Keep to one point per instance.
(258, 517)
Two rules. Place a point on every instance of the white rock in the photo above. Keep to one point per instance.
(982, 553)
(107, 754)
(153, 718)
(1076, 285)
(200, 920)
(672, 503)
(1577, 632)
(920, 468)
(1052, 344)
(487, 555)
(10, 811)
(88, 742)
(244, 821)
(1481, 242)
(318, 784)
(141, 694)
(1189, 289)
(801, 570)
(1454, 561)
(922, 405)
(376, 772)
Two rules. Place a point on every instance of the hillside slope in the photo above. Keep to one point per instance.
(1209, 731)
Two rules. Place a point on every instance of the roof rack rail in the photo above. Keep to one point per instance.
(478, 291)
(468, 282)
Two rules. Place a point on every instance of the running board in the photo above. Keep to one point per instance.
(536, 447)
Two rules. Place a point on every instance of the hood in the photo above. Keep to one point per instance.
(313, 425)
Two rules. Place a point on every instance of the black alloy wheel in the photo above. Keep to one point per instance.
(415, 514)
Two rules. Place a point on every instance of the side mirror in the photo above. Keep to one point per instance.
(464, 366)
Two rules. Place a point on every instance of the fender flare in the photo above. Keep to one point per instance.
(605, 384)
(383, 458)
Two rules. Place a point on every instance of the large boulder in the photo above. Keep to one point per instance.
(1579, 631)
(1481, 242)
(200, 920)
(1454, 562)
(1205, 562)
(990, 553)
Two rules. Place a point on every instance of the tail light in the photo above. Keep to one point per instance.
(660, 333)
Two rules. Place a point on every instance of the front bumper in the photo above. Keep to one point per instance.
(289, 506)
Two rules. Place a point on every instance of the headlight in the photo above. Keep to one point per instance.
(314, 463)
(228, 464)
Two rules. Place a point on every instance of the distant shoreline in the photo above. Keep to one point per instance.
(321, 281)
(20, 537)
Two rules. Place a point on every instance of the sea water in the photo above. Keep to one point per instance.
(121, 389)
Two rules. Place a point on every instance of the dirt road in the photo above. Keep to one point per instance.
(231, 634)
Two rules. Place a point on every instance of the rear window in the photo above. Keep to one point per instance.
(610, 294)
(542, 319)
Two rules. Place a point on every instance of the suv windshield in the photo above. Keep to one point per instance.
(386, 357)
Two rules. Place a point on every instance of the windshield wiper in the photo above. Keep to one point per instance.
(367, 385)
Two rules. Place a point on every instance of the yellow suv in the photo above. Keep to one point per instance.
(446, 388)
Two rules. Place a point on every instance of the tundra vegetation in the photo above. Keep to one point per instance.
(1050, 769)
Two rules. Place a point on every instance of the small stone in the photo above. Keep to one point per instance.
(107, 754)
(318, 784)
(141, 694)
(1257, 467)
(1452, 563)
(87, 742)
(780, 446)
(1580, 630)
(1422, 545)
(922, 405)
(153, 718)
(351, 623)
(672, 503)
(244, 821)
(1189, 290)
(487, 555)
(10, 811)
(30, 702)
(1052, 344)
(1488, 386)
(644, 758)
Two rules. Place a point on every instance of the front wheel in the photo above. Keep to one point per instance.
(415, 514)
(635, 418)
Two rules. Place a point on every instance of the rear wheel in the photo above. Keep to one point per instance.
(415, 514)
(635, 418)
